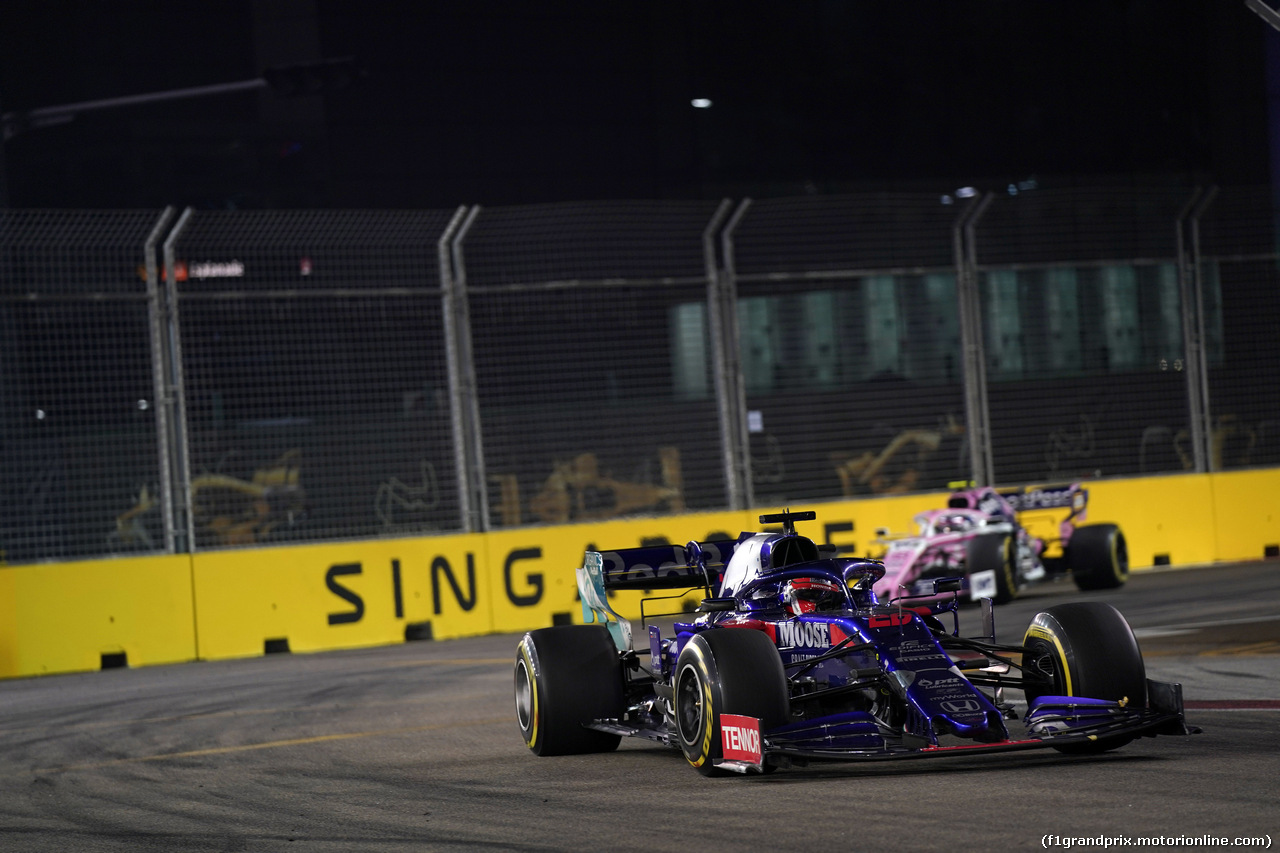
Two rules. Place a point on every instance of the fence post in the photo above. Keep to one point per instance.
(457, 423)
(175, 399)
(155, 325)
(719, 370)
(464, 402)
(734, 380)
(974, 362)
(722, 304)
(1191, 285)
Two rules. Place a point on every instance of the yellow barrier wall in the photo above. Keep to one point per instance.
(340, 595)
(64, 617)
(1246, 514)
(1164, 519)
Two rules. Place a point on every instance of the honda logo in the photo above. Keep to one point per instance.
(962, 706)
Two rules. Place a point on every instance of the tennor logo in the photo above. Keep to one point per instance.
(740, 738)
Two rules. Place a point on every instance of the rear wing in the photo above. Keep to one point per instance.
(698, 564)
(666, 566)
(1029, 498)
(1021, 499)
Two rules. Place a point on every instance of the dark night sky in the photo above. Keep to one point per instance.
(512, 103)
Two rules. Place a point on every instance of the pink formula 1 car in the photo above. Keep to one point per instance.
(980, 536)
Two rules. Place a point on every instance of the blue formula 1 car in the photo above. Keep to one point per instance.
(792, 658)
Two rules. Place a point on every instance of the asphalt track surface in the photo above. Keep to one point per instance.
(415, 747)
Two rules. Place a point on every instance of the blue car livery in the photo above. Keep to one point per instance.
(793, 658)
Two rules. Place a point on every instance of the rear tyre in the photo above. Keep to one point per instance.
(566, 677)
(994, 552)
(726, 671)
(1098, 557)
(1084, 649)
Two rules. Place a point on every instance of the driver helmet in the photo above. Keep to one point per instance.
(805, 595)
(954, 524)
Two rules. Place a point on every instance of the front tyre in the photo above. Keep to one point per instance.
(1084, 649)
(1098, 557)
(565, 677)
(725, 671)
(995, 552)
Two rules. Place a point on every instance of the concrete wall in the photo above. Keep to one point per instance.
(69, 617)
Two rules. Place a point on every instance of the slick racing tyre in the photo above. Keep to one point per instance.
(566, 677)
(726, 671)
(994, 552)
(1084, 649)
(1098, 557)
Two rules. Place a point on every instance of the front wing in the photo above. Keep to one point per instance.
(1051, 721)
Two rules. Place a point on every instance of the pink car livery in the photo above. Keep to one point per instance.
(980, 536)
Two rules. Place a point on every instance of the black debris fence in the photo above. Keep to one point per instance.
(81, 407)
(1082, 302)
(849, 345)
(189, 380)
(593, 390)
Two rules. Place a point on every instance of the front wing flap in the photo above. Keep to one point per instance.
(858, 736)
(1052, 721)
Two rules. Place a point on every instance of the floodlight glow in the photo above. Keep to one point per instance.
(966, 192)
(701, 103)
